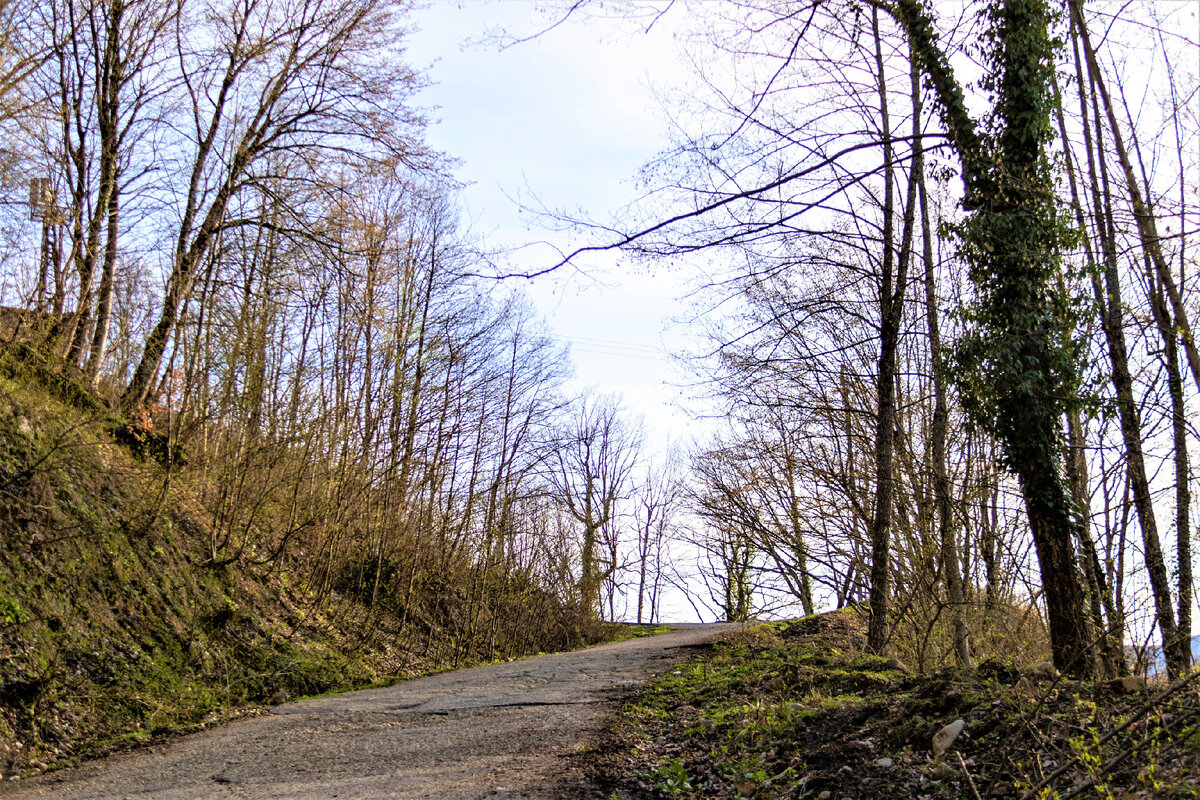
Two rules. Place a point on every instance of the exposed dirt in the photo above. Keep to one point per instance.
(502, 731)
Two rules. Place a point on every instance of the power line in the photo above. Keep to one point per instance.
(612, 347)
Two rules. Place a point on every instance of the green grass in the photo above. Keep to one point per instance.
(624, 631)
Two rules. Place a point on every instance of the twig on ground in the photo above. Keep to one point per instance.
(970, 780)
(1145, 709)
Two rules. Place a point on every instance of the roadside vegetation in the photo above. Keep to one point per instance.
(625, 632)
(800, 710)
(117, 628)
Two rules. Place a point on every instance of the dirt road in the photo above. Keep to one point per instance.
(493, 732)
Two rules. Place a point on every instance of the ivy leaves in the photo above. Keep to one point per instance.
(1019, 365)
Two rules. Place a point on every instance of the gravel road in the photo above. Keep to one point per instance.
(500, 731)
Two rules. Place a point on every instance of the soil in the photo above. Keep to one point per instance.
(518, 729)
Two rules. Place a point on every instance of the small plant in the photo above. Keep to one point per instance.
(11, 611)
(1089, 751)
(672, 779)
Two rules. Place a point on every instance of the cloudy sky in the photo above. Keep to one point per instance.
(564, 120)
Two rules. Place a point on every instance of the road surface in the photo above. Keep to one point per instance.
(500, 731)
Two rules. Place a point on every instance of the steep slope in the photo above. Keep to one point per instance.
(111, 629)
(117, 627)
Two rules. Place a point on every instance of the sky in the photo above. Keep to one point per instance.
(562, 121)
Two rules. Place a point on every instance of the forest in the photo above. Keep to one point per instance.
(946, 251)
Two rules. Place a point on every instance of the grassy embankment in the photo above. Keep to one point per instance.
(624, 631)
(116, 627)
(796, 710)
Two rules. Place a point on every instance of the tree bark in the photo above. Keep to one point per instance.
(105, 292)
(893, 282)
(1183, 495)
(941, 416)
(1100, 597)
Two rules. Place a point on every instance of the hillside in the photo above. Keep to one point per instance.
(118, 625)
(797, 710)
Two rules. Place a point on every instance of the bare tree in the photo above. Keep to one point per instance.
(303, 84)
(658, 503)
(591, 466)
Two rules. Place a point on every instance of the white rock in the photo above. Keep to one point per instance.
(1133, 683)
(946, 736)
(883, 762)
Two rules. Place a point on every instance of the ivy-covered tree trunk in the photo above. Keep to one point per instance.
(1018, 365)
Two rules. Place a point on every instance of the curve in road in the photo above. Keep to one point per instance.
(491, 732)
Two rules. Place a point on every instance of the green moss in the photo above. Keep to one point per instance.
(11, 612)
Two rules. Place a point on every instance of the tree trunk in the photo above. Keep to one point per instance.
(941, 415)
(105, 295)
(109, 77)
(179, 287)
(1098, 593)
(1183, 495)
(797, 535)
(1112, 319)
(1183, 476)
(1056, 558)
(1146, 224)
(893, 282)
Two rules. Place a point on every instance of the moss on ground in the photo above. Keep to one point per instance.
(112, 631)
(796, 710)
